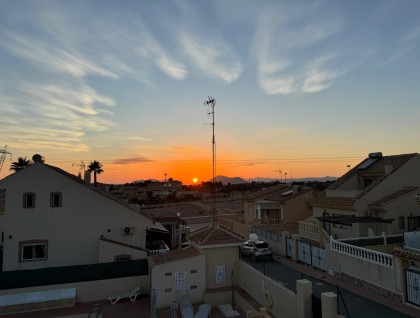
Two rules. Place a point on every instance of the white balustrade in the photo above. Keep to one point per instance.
(362, 253)
(309, 230)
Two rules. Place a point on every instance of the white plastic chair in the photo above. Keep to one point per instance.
(132, 295)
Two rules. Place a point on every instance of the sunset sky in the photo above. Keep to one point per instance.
(302, 87)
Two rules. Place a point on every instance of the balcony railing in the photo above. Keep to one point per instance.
(163, 248)
(309, 230)
(362, 253)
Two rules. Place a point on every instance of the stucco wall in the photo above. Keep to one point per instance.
(72, 230)
(163, 280)
(297, 209)
(107, 252)
(285, 302)
(377, 275)
(227, 256)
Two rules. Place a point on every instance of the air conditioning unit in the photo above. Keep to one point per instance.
(128, 230)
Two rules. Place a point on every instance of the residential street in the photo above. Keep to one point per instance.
(352, 304)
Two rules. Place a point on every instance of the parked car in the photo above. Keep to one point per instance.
(256, 250)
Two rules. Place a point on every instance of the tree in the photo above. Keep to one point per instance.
(20, 164)
(96, 168)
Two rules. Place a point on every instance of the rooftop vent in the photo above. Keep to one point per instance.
(38, 158)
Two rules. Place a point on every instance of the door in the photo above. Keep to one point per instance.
(413, 287)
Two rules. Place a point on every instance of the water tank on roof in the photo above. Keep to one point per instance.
(38, 158)
(375, 155)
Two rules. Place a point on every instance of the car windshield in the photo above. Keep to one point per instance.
(262, 245)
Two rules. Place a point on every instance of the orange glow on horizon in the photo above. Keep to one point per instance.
(194, 171)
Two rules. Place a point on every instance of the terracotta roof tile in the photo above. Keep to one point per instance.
(379, 204)
(267, 192)
(172, 256)
(407, 253)
(214, 235)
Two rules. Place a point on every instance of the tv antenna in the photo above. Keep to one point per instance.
(82, 166)
(281, 174)
(210, 102)
(3, 154)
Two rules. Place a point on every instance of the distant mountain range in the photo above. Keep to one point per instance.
(238, 180)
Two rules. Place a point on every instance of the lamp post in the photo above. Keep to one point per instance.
(179, 230)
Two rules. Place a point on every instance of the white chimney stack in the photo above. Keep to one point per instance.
(87, 177)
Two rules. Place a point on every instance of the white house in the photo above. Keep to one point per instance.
(378, 195)
(52, 218)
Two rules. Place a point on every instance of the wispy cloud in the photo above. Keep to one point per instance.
(69, 112)
(213, 58)
(53, 58)
(408, 42)
(280, 43)
(136, 138)
(128, 161)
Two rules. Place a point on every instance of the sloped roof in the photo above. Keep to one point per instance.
(281, 197)
(264, 193)
(74, 178)
(380, 204)
(377, 168)
(172, 256)
(214, 235)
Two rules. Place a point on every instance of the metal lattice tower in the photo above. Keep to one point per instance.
(210, 103)
(3, 155)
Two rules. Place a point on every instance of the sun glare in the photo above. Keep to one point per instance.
(195, 180)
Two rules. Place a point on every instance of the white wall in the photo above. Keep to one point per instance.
(286, 304)
(73, 230)
(163, 280)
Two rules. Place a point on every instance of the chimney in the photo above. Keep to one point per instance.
(87, 177)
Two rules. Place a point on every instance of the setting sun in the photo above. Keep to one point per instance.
(195, 180)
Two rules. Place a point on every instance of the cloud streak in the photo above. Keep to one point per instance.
(129, 161)
(213, 58)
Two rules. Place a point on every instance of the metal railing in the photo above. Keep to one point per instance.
(374, 240)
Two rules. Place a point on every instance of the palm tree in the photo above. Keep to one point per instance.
(96, 168)
(20, 164)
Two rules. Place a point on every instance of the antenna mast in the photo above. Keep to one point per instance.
(210, 104)
(3, 153)
(82, 167)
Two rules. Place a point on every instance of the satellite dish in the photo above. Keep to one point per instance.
(253, 237)
(38, 158)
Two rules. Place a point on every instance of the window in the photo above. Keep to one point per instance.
(28, 200)
(33, 250)
(56, 199)
(401, 222)
(2, 199)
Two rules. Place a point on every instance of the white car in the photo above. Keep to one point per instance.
(256, 250)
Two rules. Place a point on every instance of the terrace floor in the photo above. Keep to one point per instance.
(124, 308)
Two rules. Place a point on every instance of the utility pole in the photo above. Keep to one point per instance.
(210, 104)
